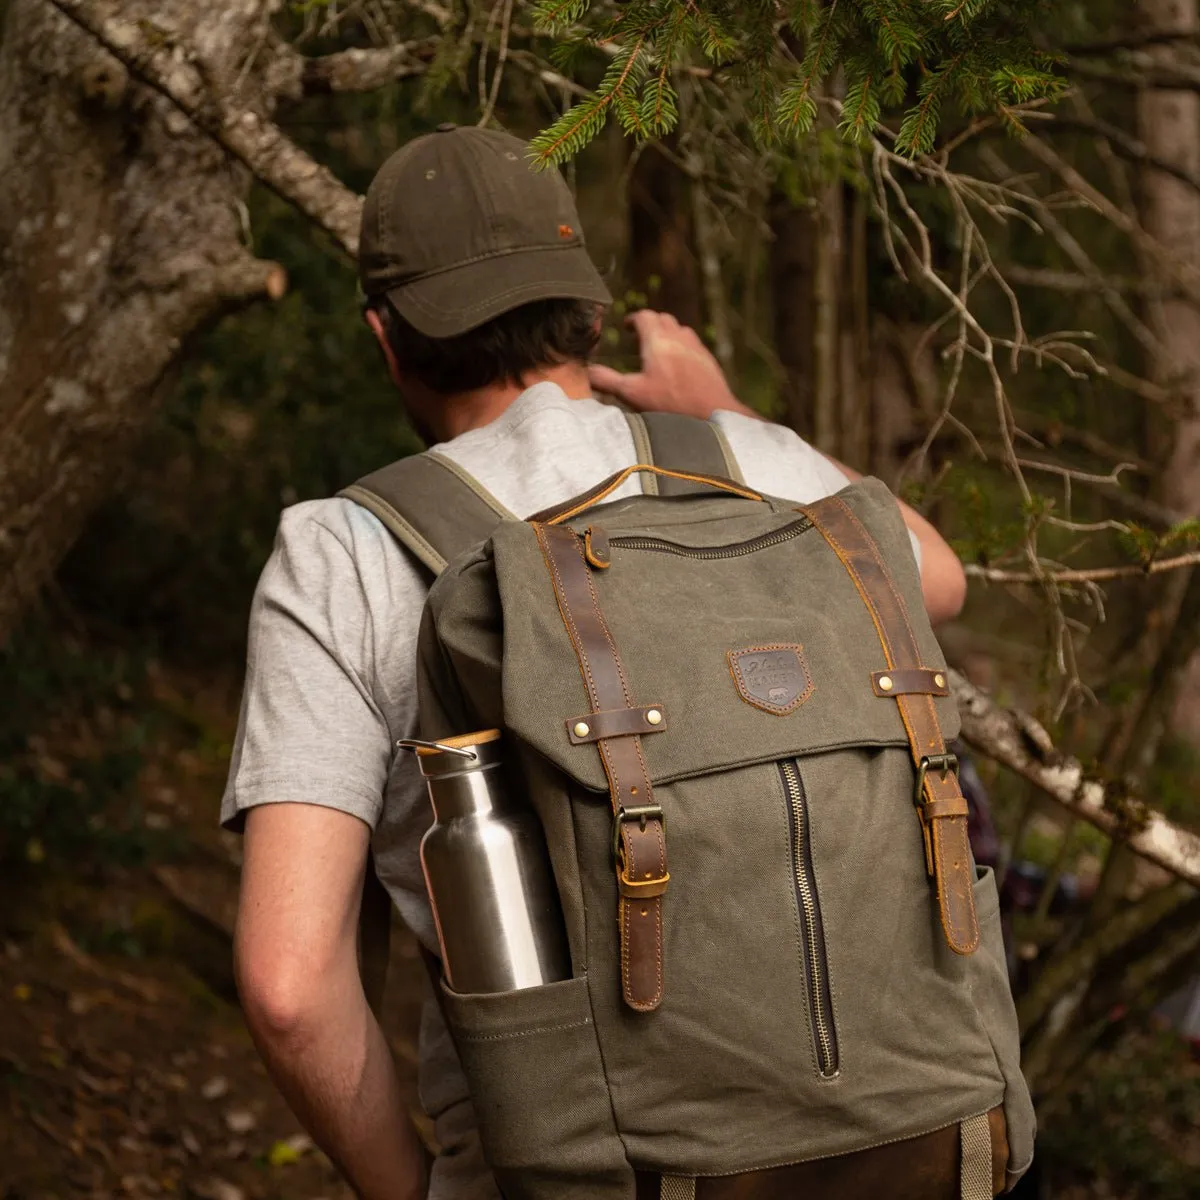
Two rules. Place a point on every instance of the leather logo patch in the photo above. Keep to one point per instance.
(773, 678)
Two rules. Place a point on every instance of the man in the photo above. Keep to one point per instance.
(486, 307)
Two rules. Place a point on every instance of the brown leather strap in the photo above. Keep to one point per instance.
(639, 836)
(944, 826)
(616, 722)
(919, 681)
(921, 1168)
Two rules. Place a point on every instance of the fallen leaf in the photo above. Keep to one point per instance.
(282, 1155)
(240, 1120)
(190, 1142)
(22, 992)
(215, 1088)
(218, 1189)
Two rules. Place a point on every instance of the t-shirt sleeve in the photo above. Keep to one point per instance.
(778, 461)
(309, 730)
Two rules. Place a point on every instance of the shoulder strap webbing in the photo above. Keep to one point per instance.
(940, 804)
(431, 506)
(684, 444)
(437, 511)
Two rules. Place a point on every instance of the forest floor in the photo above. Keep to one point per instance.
(126, 1069)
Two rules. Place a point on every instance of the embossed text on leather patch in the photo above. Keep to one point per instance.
(773, 678)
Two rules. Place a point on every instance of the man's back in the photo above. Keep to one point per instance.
(331, 684)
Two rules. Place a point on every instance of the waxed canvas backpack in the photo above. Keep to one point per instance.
(731, 715)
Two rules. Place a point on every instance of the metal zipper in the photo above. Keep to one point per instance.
(816, 964)
(732, 550)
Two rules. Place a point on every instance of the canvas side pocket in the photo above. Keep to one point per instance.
(994, 1003)
(537, 1081)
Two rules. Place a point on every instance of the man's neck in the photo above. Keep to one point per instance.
(472, 410)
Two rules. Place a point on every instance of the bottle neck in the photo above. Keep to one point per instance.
(475, 792)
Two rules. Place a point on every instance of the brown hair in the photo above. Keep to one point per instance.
(536, 335)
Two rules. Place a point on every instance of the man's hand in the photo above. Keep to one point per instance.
(679, 374)
(297, 968)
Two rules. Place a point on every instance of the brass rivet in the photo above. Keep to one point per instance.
(654, 717)
(940, 680)
(885, 683)
(582, 729)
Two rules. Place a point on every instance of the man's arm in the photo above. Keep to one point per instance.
(296, 959)
(679, 374)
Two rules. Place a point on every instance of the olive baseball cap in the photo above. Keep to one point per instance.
(458, 227)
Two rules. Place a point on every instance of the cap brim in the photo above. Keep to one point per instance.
(463, 298)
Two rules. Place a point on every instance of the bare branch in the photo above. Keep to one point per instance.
(1068, 281)
(1184, 276)
(255, 141)
(1133, 41)
(361, 70)
(1088, 574)
(1156, 74)
(1127, 146)
(1018, 742)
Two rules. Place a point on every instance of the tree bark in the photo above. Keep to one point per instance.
(1170, 131)
(793, 257)
(120, 236)
(663, 264)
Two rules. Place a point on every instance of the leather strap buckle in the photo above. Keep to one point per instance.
(941, 762)
(640, 813)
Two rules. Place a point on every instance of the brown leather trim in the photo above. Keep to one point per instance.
(954, 807)
(640, 890)
(920, 1168)
(751, 693)
(906, 681)
(947, 848)
(616, 722)
(642, 845)
(596, 549)
(572, 508)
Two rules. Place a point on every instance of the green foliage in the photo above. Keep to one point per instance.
(919, 57)
(70, 752)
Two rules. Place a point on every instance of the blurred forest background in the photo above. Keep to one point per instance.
(967, 260)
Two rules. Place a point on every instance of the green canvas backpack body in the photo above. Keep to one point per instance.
(731, 716)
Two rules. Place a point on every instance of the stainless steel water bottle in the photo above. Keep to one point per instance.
(488, 872)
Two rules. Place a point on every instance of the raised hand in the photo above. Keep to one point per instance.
(679, 374)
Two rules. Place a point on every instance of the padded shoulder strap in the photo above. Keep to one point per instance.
(684, 444)
(431, 506)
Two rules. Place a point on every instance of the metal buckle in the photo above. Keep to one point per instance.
(943, 762)
(641, 814)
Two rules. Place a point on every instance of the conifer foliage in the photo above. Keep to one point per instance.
(913, 60)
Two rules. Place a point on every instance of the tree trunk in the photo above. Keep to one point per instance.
(1170, 130)
(663, 263)
(120, 236)
(792, 267)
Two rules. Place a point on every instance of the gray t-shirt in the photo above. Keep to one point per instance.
(331, 673)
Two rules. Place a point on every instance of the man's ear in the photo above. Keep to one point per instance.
(375, 322)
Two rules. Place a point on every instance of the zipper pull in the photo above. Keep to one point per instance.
(596, 549)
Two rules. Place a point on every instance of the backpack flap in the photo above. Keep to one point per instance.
(739, 631)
